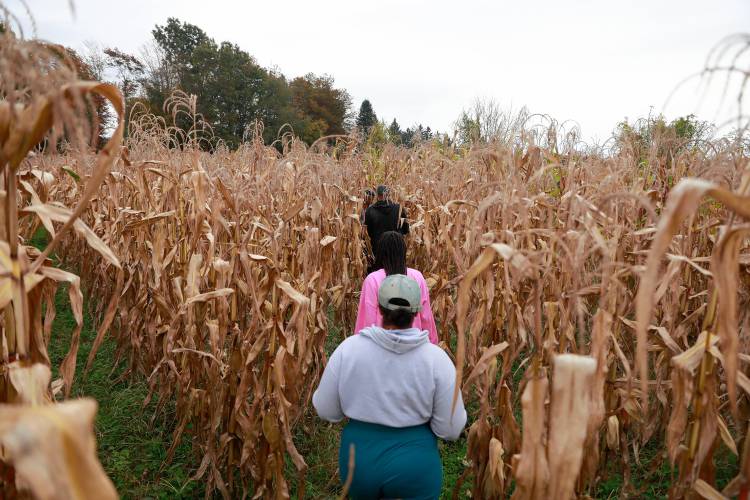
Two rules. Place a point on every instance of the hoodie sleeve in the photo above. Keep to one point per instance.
(426, 318)
(326, 398)
(367, 314)
(444, 424)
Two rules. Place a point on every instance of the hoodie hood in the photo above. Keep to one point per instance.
(398, 341)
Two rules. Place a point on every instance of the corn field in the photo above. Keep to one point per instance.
(593, 303)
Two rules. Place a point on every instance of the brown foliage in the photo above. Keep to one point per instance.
(48, 450)
(232, 260)
(231, 267)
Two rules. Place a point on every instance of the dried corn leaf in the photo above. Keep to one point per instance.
(489, 355)
(205, 297)
(682, 202)
(60, 214)
(532, 472)
(724, 263)
(570, 409)
(707, 491)
(30, 383)
(40, 442)
(494, 481)
(613, 433)
(68, 365)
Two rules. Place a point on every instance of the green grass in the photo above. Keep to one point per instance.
(652, 479)
(453, 455)
(130, 449)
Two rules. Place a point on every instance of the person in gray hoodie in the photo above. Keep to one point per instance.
(396, 388)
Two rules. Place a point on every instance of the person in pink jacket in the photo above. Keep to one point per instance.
(392, 257)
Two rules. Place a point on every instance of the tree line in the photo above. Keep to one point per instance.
(234, 94)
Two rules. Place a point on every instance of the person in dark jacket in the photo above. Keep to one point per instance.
(382, 216)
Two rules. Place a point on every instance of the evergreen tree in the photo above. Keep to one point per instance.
(407, 137)
(394, 132)
(412, 136)
(366, 118)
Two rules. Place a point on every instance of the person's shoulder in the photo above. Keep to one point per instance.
(375, 277)
(438, 355)
(351, 342)
(414, 274)
(417, 276)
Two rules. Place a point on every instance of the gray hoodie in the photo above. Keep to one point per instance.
(391, 377)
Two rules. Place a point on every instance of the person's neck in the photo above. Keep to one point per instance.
(393, 327)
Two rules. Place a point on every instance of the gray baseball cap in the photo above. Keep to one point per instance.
(399, 286)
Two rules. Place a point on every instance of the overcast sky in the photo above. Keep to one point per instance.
(595, 62)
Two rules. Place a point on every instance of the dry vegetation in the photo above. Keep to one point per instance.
(47, 450)
(593, 303)
(234, 265)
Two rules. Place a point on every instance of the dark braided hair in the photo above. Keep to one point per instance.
(391, 255)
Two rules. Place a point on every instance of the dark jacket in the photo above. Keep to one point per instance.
(384, 216)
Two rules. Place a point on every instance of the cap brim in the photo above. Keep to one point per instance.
(396, 307)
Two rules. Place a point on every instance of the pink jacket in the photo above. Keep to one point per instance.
(369, 313)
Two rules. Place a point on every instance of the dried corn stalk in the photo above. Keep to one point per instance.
(237, 264)
(48, 450)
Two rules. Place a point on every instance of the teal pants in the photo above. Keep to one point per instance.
(391, 462)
